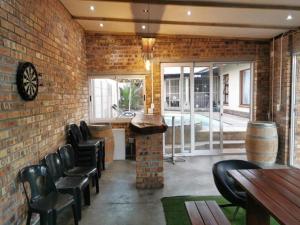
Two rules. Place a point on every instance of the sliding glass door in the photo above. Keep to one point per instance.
(210, 104)
(188, 97)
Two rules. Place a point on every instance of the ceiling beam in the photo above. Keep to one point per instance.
(168, 22)
(212, 4)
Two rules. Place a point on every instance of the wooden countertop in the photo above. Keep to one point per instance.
(148, 124)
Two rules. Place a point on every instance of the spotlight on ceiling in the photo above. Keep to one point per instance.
(189, 13)
(289, 17)
(101, 25)
(92, 8)
(144, 27)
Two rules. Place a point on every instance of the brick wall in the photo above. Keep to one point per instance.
(42, 32)
(121, 54)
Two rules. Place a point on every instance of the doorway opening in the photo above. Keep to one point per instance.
(211, 105)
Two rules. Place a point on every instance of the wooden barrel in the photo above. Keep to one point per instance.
(261, 142)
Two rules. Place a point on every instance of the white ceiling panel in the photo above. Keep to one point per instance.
(178, 13)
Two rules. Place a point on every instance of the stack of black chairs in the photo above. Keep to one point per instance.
(62, 177)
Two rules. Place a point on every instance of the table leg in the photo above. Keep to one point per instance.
(256, 214)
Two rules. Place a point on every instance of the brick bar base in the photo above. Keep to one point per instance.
(149, 161)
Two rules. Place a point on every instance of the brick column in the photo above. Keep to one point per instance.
(149, 161)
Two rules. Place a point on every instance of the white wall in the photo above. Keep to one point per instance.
(234, 85)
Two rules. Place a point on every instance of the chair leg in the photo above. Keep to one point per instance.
(52, 218)
(77, 197)
(87, 197)
(96, 180)
(29, 217)
(103, 156)
(235, 212)
(43, 219)
(75, 214)
(99, 167)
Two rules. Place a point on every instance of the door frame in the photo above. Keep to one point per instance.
(293, 109)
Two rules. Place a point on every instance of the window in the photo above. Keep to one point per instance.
(172, 93)
(116, 97)
(225, 89)
(245, 80)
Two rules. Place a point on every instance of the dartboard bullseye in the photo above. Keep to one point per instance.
(27, 81)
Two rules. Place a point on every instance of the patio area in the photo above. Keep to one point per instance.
(120, 203)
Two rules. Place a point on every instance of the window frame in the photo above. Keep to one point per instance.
(179, 102)
(242, 72)
(91, 113)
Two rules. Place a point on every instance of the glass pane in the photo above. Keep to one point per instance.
(246, 87)
(216, 124)
(201, 107)
(131, 97)
(186, 115)
(105, 95)
(172, 107)
(235, 116)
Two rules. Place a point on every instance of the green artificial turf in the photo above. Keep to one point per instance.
(176, 214)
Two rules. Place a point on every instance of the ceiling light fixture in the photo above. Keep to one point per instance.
(101, 25)
(147, 43)
(289, 17)
(92, 8)
(189, 13)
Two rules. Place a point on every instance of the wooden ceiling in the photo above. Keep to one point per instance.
(226, 18)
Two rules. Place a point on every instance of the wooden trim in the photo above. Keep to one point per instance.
(183, 23)
(211, 4)
(241, 89)
(161, 35)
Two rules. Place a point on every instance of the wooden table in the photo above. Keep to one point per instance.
(274, 192)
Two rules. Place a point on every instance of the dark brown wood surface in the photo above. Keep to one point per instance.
(205, 213)
(274, 192)
(148, 124)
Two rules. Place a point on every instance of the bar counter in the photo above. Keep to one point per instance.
(148, 130)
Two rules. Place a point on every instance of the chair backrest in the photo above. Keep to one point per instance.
(226, 184)
(75, 134)
(85, 131)
(40, 182)
(67, 156)
(54, 165)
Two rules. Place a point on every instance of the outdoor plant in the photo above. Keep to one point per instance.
(131, 96)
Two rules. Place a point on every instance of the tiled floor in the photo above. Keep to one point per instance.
(120, 203)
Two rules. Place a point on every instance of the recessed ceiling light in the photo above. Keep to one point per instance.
(144, 27)
(289, 17)
(101, 25)
(92, 8)
(189, 13)
(145, 10)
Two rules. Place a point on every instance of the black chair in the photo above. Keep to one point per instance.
(70, 185)
(226, 184)
(44, 198)
(67, 156)
(87, 135)
(86, 152)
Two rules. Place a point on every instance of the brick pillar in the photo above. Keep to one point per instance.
(149, 161)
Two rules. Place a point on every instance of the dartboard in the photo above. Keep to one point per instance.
(27, 81)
